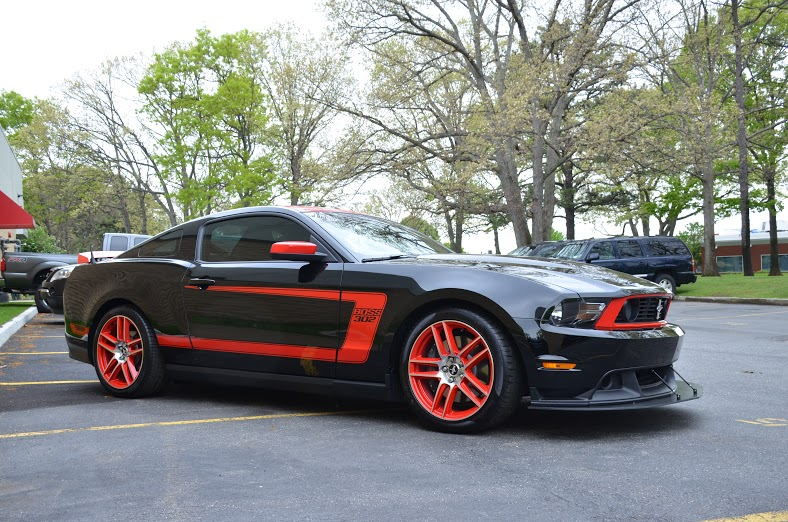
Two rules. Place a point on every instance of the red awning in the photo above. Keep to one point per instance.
(12, 215)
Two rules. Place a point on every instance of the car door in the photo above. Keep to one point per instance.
(606, 252)
(631, 259)
(247, 311)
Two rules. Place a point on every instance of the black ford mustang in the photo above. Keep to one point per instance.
(333, 301)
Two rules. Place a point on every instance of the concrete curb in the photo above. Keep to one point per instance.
(14, 325)
(733, 300)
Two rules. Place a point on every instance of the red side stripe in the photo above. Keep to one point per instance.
(174, 341)
(364, 320)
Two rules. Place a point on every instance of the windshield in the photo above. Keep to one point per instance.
(373, 238)
(570, 251)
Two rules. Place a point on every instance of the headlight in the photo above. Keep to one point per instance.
(574, 312)
(61, 273)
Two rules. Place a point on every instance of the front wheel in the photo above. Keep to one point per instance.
(460, 372)
(126, 354)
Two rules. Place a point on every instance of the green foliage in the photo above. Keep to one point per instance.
(207, 100)
(16, 111)
(557, 235)
(422, 225)
(39, 240)
(692, 236)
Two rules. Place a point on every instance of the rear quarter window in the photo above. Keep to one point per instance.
(167, 245)
(666, 247)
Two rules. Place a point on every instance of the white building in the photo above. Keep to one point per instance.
(13, 217)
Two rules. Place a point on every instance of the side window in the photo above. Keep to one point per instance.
(666, 247)
(118, 243)
(167, 245)
(248, 238)
(138, 240)
(604, 249)
(629, 248)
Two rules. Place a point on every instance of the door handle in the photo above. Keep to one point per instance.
(201, 283)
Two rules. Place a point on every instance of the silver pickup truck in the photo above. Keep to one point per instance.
(24, 272)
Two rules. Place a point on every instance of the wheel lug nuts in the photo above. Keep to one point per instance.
(451, 379)
(445, 369)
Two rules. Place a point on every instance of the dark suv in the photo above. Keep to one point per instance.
(664, 260)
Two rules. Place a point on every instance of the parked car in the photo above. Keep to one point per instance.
(336, 302)
(546, 249)
(51, 291)
(664, 260)
(120, 242)
(24, 272)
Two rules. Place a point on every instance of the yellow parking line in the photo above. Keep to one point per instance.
(34, 383)
(772, 516)
(30, 353)
(177, 423)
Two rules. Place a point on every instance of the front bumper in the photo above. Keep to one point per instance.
(625, 390)
(55, 302)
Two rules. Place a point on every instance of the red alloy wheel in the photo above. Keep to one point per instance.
(120, 351)
(450, 369)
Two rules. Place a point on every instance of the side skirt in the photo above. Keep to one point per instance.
(316, 385)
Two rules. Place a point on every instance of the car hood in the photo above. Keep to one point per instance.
(583, 278)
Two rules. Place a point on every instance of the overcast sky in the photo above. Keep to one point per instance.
(43, 43)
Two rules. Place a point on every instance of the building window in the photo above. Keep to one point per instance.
(730, 264)
(766, 262)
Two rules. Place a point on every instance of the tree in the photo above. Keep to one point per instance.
(422, 225)
(16, 111)
(765, 33)
(74, 201)
(524, 82)
(690, 67)
(207, 104)
(304, 78)
(38, 240)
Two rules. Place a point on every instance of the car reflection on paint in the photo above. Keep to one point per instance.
(328, 301)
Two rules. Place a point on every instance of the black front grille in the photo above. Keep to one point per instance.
(643, 310)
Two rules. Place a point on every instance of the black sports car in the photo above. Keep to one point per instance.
(331, 301)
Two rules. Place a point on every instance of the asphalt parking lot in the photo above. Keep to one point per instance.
(68, 451)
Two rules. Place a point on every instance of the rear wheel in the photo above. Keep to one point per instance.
(460, 373)
(126, 354)
(667, 282)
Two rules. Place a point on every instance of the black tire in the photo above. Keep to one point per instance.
(144, 372)
(496, 378)
(667, 282)
(41, 305)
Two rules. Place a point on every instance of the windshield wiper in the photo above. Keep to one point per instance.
(386, 258)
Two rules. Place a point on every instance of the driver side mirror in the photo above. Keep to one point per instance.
(296, 251)
(593, 256)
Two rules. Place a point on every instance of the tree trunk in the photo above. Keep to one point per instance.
(568, 198)
(507, 174)
(709, 245)
(143, 213)
(537, 197)
(741, 142)
(774, 253)
(497, 243)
